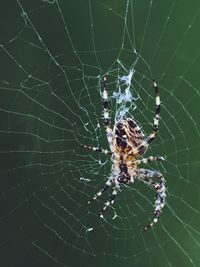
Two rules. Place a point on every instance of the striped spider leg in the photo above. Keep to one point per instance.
(141, 149)
(148, 176)
(97, 149)
(109, 131)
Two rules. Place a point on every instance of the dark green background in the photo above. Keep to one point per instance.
(52, 57)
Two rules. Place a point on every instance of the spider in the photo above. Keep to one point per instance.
(127, 144)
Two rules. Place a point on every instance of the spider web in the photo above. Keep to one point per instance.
(54, 55)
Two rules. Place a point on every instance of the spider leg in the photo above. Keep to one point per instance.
(156, 119)
(149, 159)
(146, 176)
(143, 146)
(109, 132)
(103, 189)
(97, 149)
(110, 200)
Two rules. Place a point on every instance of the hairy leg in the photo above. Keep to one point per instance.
(147, 141)
(110, 200)
(103, 189)
(148, 176)
(97, 149)
(109, 132)
(149, 159)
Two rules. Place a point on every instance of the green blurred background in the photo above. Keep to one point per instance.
(53, 56)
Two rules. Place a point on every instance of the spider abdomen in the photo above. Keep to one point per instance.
(127, 134)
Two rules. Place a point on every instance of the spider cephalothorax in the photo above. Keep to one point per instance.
(127, 143)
